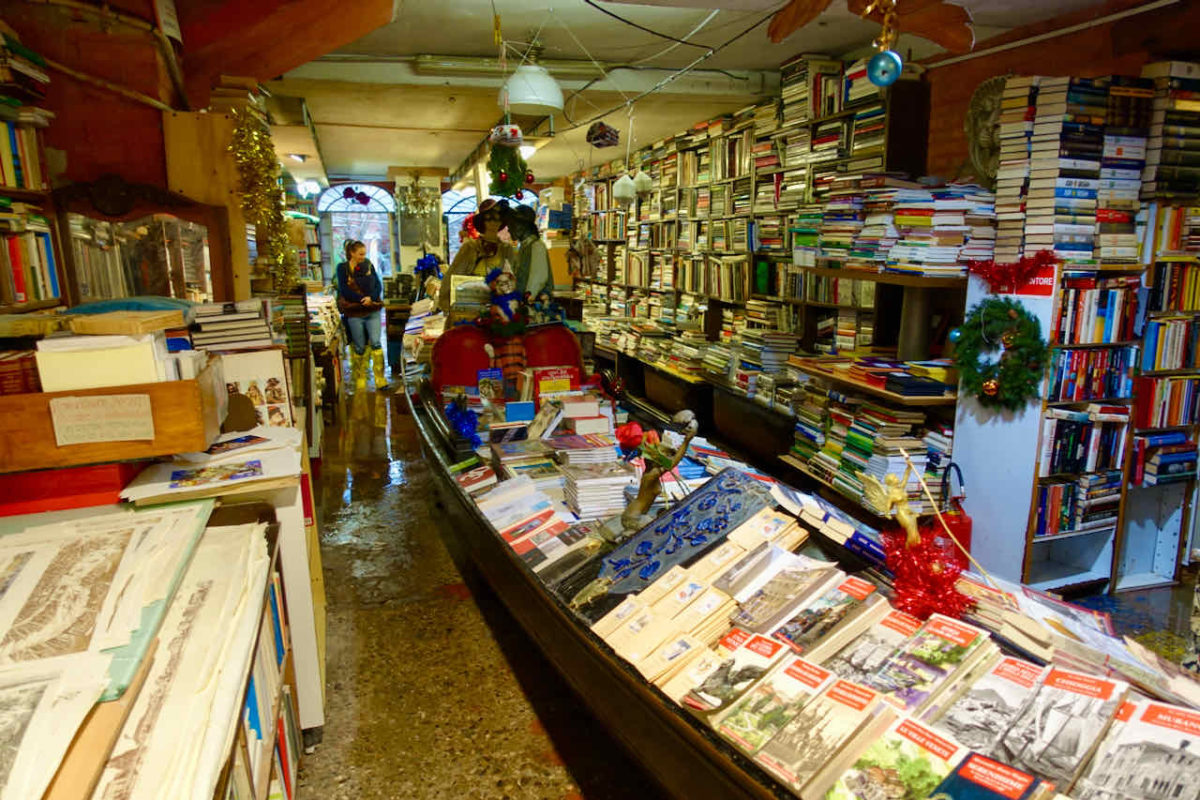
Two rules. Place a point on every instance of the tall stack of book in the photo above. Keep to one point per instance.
(868, 130)
(941, 229)
(230, 326)
(878, 233)
(1066, 151)
(594, 491)
(1017, 109)
(806, 227)
(1126, 127)
(841, 222)
(856, 86)
(1172, 165)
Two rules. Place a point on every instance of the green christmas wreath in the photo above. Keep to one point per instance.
(1000, 324)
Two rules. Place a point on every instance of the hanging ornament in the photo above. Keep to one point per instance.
(1015, 378)
(505, 164)
(261, 197)
(528, 178)
(885, 67)
(520, 194)
(955, 334)
(363, 198)
(348, 193)
(623, 191)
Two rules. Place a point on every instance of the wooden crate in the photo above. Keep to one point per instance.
(185, 420)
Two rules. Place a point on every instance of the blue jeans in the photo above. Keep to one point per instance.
(362, 330)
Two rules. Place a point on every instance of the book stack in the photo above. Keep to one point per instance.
(1163, 458)
(595, 491)
(590, 448)
(1017, 109)
(941, 229)
(856, 87)
(1126, 127)
(841, 223)
(878, 233)
(241, 325)
(1066, 151)
(867, 135)
(719, 360)
(1172, 166)
(806, 227)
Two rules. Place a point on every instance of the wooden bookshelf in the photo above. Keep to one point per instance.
(34, 305)
(892, 278)
(185, 420)
(26, 195)
(811, 368)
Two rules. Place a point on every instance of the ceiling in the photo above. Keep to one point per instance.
(372, 110)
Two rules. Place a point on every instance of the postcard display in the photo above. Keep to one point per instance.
(813, 675)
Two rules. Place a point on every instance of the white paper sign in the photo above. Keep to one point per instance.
(102, 418)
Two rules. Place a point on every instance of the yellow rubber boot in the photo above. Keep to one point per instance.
(358, 369)
(377, 367)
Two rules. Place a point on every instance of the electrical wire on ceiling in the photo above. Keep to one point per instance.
(643, 28)
(674, 45)
(678, 73)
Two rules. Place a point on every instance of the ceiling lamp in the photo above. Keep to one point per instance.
(643, 184)
(531, 90)
(623, 192)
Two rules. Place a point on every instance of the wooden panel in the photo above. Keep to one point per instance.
(81, 767)
(185, 420)
(199, 167)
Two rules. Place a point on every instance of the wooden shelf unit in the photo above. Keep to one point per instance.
(815, 370)
(185, 421)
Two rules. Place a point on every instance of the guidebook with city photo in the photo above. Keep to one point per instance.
(1154, 752)
(980, 716)
(771, 703)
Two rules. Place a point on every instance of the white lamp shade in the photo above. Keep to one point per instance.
(623, 192)
(531, 90)
(642, 184)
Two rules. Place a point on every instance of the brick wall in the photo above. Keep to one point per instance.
(1120, 47)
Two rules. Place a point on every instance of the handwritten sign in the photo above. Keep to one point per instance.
(102, 418)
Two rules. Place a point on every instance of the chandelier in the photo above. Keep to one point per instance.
(417, 200)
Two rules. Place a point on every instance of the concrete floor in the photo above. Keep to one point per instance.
(433, 690)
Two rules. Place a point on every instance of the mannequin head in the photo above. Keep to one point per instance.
(522, 223)
(491, 217)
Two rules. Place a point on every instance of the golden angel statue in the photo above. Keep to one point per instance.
(891, 500)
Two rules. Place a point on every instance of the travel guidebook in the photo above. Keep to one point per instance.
(978, 777)
(980, 716)
(1154, 752)
(926, 662)
(816, 619)
(735, 674)
(771, 703)
(908, 761)
(863, 656)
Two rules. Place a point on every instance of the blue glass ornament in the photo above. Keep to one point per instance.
(884, 68)
(955, 334)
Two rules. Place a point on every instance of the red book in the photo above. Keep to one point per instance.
(18, 268)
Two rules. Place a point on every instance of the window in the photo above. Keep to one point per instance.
(349, 197)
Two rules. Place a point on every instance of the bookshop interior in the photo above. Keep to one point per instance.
(450, 398)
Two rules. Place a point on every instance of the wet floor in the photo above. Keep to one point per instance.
(433, 690)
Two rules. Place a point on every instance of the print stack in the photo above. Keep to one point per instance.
(240, 325)
(597, 490)
(82, 598)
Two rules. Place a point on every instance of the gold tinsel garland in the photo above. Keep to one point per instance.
(262, 196)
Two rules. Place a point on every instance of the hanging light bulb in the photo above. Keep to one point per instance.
(531, 90)
(643, 184)
(623, 191)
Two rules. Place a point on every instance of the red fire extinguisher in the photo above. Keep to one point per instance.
(956, 518)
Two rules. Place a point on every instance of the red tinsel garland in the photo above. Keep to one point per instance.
(924, 575)
(1010, 277)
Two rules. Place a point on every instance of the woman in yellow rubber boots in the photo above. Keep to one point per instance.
(360, 296)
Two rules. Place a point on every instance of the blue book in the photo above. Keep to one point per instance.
(277, 627)
(1173, 458)
(866, 547)
(1162, 439)
(18, 171)
(980, 778)
(51, 267)
(1086, 194)
(252, 716)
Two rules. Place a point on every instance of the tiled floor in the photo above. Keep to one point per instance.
(433, 690)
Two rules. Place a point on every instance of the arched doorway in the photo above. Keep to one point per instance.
(363, 212)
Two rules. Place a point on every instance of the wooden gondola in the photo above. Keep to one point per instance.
(688, 759)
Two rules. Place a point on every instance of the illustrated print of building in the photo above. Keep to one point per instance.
(1150, 771)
